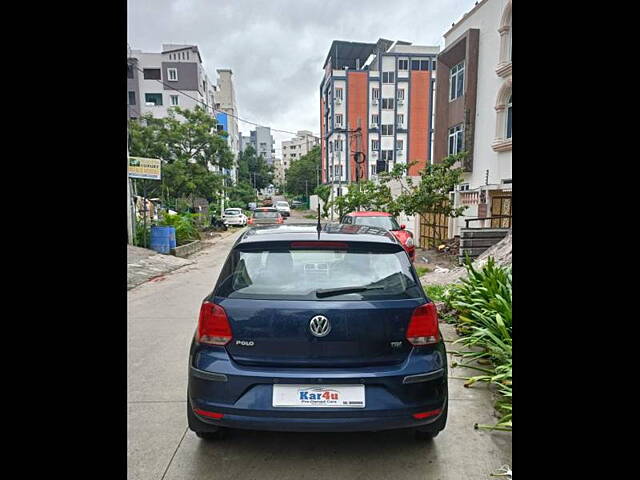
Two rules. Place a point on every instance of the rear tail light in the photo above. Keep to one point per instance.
(213, 325)
(280, 220)
(250, 221)
(423, 326)
(430, 413)
(205, 413)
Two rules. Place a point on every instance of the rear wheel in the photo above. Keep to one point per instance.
(431, 431)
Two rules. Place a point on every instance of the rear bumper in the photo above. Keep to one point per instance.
(244, 395)
(234, 221)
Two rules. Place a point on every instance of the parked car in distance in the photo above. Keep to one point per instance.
(266, 216)
(283, 207)
(296, 204)
(387, 221)
(267, 202)
(309, 331)
(234, 216)
(252, 205)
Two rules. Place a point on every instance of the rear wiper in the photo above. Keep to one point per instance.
(328, 292)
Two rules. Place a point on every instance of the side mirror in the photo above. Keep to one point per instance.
(403, 226)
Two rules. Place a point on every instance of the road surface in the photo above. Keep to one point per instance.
(162, 316)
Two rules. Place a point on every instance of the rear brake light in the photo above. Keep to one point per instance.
(205, 413)
(250, 221)
(318, 244)
(280, 220)
(423, 326)
(213, 325)
(430, 413)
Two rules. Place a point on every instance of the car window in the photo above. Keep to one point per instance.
(259, 214)
(297, 274)
(388, 223)
(232, 211)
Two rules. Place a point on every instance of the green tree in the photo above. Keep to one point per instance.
(365, 195)
(253, 169)
(302, 174)
(188, 145)
(431, 194)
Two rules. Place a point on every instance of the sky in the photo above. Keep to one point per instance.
(276, 48)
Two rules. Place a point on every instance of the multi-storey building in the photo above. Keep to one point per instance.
(384, 89)
(298, 146)
(227, 114)
(262, 142)
(173, 77)
(473, 112)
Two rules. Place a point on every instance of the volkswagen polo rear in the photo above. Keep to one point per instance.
(301, 334)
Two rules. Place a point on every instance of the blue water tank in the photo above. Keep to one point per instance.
(161, 239)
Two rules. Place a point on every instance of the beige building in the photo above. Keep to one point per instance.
(298, 146)
(279, 169)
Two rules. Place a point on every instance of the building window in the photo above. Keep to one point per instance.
(330, 147)
(388, 77)
(456, 140)
(339, 119)
(433, 65)
(174, 99)
(339, 93)
(374, 169)
(151, 74)
(403, 64)
(415, 64)
(129, 70)
(399, 145)
(132, 98)
(400, 94)
(463, 187)
(375, 144)
(387, 103)
(387, 155)
(153, 98)
(375, 93)
(400, 120)
(456, 81)
(337, 171)
(172, 73)
(387, 129)
(338, 145)
(381, 166)
(509, 118)
(424, 64)
(375, 120)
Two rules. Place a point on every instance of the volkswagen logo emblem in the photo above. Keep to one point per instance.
(319, 326)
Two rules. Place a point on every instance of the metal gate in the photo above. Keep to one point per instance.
(434, 229)
(501, 206)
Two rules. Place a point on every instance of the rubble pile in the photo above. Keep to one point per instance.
(451, 246)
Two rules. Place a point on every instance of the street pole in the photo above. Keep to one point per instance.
(144, 210)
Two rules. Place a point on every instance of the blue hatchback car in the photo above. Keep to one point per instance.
(325, 331)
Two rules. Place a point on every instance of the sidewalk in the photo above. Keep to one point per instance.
(147, 265)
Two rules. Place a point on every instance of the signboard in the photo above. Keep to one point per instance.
(140, 167)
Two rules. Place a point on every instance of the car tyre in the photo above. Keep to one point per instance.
(431, 431)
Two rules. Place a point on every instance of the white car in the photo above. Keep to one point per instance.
(234, 216)
(283, 208)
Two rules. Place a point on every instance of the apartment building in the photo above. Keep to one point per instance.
(473, 112)
(384, 89)
(262, 142)
(227, 114)
(153, 81)
(298, 146)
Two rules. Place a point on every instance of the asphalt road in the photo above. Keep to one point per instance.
(161, 320)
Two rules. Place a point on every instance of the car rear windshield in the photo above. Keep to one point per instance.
(232, 211)
(259, 214)
(299, 274)
(388, 223)
(282, 204)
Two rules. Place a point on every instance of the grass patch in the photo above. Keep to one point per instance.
(422, 270)
(436, 292)
(311, 216)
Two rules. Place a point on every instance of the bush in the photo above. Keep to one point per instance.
(483, 301)
(185, 225)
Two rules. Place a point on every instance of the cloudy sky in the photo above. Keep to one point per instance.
(276, 48)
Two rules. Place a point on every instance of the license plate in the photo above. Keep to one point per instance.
(328, 396)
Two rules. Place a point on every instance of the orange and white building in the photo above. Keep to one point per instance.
(386, 90)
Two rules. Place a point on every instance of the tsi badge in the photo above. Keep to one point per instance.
(396, 344)
(245, 343)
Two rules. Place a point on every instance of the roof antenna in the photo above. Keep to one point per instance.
(319, 227)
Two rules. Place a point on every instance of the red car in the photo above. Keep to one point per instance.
(383, 220)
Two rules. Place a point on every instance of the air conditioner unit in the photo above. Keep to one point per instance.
(374, 101)
(400, 101)
(374, 154)
(399, 150)
(374, 125)
(338, 101)
(150, 104)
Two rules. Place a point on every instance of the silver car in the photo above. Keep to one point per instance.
(283, 208)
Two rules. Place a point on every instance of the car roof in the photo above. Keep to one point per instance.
(308, 232)
(369, 214)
